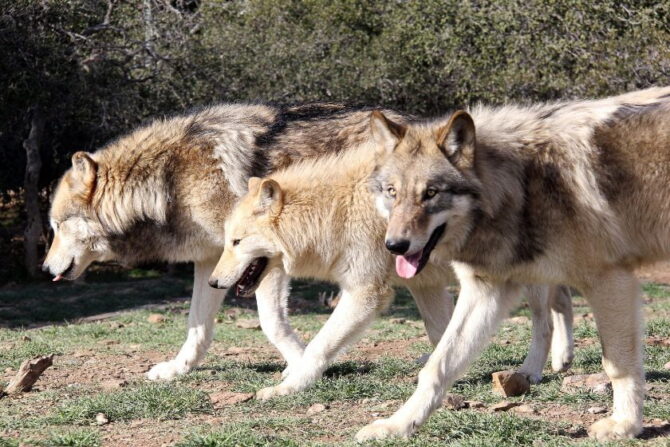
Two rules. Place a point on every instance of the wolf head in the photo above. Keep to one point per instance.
(425, 186)
(250, 245)
(78, 234)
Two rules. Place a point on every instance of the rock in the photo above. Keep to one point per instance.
(316, 408)
(26, 338)
(110, 342)
(510, 383)
(658, 341)
(597, 410)
(454, 402)
(113, 384)
(228, 398)
(594, 383)
(666, 366)
(232, 313)
(525, 409)
(397, 321)
(475, 404)
(503, 406)
(248, 324)
(156, 318)
(101, 419)
(116, 325)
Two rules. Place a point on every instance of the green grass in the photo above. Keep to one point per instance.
(357, 389)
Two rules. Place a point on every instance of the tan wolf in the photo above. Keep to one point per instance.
(569, 193)
(317, 219)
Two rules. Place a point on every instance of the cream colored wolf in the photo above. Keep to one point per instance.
(573, 193)
(317, 219)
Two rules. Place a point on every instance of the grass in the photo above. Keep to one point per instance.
(370, 382)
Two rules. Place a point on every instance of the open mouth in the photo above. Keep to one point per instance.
(410, 266)
(247, 284)
(65, 273)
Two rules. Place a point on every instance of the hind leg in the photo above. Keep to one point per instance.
(538, 300)
(562, 340)
(205, 303)
(616, 302)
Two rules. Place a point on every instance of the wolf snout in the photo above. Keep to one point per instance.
(214, 282)
(397, 246)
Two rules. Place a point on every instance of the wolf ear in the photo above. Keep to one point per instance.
(457, 139)
(270, 197)
(253, 183)
(84, 173)
(385, 133)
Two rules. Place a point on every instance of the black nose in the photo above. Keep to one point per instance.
(397, 246)
(213, 282)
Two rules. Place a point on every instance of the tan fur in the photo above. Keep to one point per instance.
(573, 193)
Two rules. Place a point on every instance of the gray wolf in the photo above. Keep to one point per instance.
(317, 219)
(569, 193)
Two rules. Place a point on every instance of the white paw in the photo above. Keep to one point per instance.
(382, 429)
(533, 377)
(608, 429)
(167, 370)
(272, 391)
(561, 361)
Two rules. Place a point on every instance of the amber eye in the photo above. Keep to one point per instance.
(236, 242)
(391, 191)
(430, 193)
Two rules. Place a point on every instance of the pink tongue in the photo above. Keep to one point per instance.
(406, 266)
(57, 278)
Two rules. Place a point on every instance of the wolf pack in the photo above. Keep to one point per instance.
(512, 201)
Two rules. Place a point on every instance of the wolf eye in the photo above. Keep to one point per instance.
(391, 191)
(430, 193)
(236, 242)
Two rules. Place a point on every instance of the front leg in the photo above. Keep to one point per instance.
(436, 305)
(479, 310)
(354, 313)
(272, 299)
(205, 303)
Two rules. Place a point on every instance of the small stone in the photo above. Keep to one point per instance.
(228, 398)
(510, 383)
(116, 325)
(248, 324)
(398, 321)
(666, 366)
(101, 419)
(595, 383)
(504, 406)
(525, 409)
(232, 313)
(518, 320)
(316, 408)
(218, 320)
(597, 410)
(454, 402)
(475, 404)
(113, 384)
(9, 370)
(26, 338)
(110, 342)
(156, 318)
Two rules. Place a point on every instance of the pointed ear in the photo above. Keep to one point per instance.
(457, 139)
(252, 184)
(83, 176)
(385, 133)
(269, 198)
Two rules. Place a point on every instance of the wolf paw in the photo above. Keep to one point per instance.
(533, 377)
(272, 391)
(167, 370)
(382, 429)
(561, 361)
(608, 429)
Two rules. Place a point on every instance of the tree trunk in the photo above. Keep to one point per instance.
(33, 231)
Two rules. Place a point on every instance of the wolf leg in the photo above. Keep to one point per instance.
(479, 310)
(205, 303)
(436, 304)
(538, 300)
(562, 340)
(272, 299)
(353, 314)
(616, 302)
